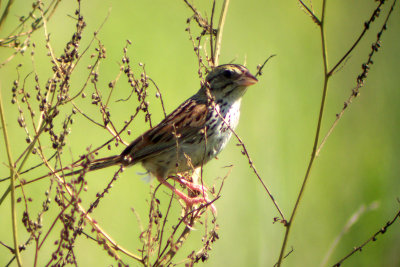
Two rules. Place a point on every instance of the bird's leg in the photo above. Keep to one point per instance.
(190, 201)
(192, 186)
(198, 188)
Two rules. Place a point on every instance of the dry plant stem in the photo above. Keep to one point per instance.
(100, 232)
(164, 223)
(103, 110)
(359, 84)
(287, 255)
(372, 238)
(252, 165)
(220, 31)
(147, 245)
(86, 116)
(91, 41)
(211, 34)
(35, 25)
(49, 98)
(12, 184)
(87, 80)
(51, 227)
(42, 127)
(74, 164)
(91, 221)
(5, 13)
(114, 82)
(28, 170)
(38, 131)
(171, 253)
(310, 13)
(54, 60)
(317, 134)
(161, 99)
(184, 235)
(354, 218)
(327, 75)
(359, 38)
(13, 55)
(261, 67)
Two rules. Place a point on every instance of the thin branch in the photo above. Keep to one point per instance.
(317, 134)
(354, 218)
(372, 238)
(261, 67)
(310, 13)
(251, 163)
(30, 169)
(102, 235)
(48, 45)
(366, 27)
(12, 184)
(360, 79)
(211, 36)
(5, 12)
(185, 233)
(327, 75)
(159, 95)
(220, 31)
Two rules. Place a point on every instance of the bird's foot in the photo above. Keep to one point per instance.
(190, 201)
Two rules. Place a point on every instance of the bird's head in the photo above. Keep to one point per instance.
(229, 81)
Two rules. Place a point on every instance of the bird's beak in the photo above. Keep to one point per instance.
(247, 79)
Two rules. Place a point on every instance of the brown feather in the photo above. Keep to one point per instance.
(180, 121)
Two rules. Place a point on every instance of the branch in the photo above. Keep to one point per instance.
(372, 238)
(13, 174)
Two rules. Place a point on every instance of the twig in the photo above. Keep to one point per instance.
(260, 67)
(160, 96)
(310, 13)
(367, 24)
(48, 45)
(360, 80)
(350, 222)
(310, 164)
(327, 75)
(12, 184)
(220, 31)
(169, 254)
(30, 169)
(5, 12)
(283, 220)
(372, 238)
(101, 233)
(211, 36)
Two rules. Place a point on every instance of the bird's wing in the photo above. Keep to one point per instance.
(182, 125)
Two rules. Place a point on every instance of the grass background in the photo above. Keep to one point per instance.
(358, 166)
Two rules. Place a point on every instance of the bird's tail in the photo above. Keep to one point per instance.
(96, 164)
(104, 162)
(93, 165)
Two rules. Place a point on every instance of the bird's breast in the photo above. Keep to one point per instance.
(224, 119)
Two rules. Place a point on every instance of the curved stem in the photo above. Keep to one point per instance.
(12, 185)
(316, 139)
(5, 12)
(221, 24)
(366, 27)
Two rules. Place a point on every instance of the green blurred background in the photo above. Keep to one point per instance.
(358, 166)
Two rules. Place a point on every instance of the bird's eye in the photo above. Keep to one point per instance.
(227, 74)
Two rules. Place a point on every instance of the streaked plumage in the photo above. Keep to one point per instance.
(194, 130)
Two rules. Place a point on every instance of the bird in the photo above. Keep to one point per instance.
(190, 136)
